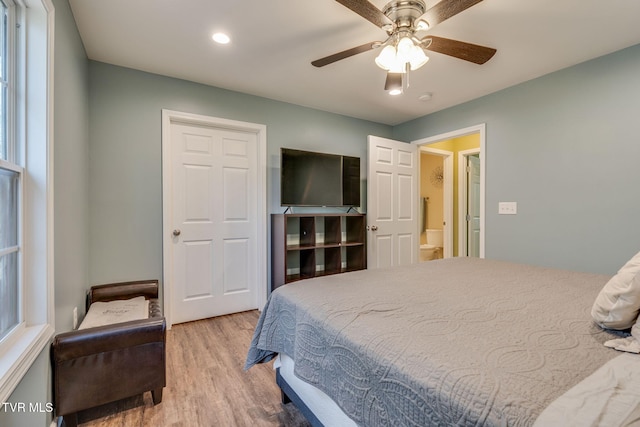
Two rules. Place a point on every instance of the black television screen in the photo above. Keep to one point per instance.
(318, 179)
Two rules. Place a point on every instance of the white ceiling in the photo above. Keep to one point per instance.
(274, 41)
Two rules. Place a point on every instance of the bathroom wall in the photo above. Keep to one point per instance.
(456, 145)
(433, 190)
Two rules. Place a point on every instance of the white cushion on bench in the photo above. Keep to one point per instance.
(110, 312)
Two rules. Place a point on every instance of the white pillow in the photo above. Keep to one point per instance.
(618, 303)
(109, 312)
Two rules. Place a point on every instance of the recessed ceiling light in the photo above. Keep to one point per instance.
(425, 97)
(394, 92)
(221, 38)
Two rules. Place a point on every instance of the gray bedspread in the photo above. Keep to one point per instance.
(460, 341)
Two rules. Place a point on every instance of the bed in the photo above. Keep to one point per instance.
(459, 341)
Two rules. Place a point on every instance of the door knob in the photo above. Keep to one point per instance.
(176, 233)
(374, 227)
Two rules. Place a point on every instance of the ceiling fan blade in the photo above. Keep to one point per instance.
(342, 55)
(445, 9)
(367, 10)
(462, 50)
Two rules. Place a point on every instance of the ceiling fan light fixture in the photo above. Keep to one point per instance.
(395, 59)
(398, 66)
(417, 58)
(404, 49)
(387, 58)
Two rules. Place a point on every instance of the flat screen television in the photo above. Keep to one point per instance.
(318, 179)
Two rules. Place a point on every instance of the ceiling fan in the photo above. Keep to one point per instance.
(403, 50)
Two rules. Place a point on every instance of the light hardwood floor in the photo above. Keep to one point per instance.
(206, 385)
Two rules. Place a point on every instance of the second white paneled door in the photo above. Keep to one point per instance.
(215, 216)
(473, 206)
(392, 203)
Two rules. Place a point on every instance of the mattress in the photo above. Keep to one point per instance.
(325, 410)
(461, 341)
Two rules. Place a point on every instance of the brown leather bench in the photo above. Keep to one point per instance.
(103, 364)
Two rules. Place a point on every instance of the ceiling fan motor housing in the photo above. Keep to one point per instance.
(404, 13)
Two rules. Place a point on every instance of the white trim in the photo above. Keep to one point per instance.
(169, 116)
(481, 130)
(447, 197)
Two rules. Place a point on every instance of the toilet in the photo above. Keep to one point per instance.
(433, 248)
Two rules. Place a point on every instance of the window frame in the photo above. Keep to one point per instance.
(33, 98)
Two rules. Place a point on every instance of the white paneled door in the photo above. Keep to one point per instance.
(392, 203)
(215, 215)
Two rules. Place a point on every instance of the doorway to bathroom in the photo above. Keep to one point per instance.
(451, 182)
(436, 197)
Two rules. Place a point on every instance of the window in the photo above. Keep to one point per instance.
(9, 250)
(26, 197)
(10, 178)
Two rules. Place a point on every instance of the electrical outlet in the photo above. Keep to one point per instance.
(75, 317)
(508, 208)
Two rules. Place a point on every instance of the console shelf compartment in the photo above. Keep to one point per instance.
(311, 245)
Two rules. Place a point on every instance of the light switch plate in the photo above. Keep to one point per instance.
(507, 208)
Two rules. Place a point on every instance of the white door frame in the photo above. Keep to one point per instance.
(481, 130)
(447, 208)
(463, 189)
(169, 117)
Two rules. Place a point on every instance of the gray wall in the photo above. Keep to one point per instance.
(565, 147)
(35, 388)
(125, 201)
(71, 168)
(71, 219)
